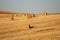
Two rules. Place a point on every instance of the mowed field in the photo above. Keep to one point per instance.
(45, 27)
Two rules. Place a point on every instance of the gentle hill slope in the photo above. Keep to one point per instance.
(44, 28)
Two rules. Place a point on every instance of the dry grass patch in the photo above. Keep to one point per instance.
(23, 27)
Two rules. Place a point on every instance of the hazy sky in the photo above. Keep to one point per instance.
(30, 6)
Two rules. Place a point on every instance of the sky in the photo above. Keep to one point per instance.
(31, 6)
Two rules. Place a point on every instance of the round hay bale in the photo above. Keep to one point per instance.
(45, 13)
(12, 17)
(33, 15)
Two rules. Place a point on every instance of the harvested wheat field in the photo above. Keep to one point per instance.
(21, 27)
